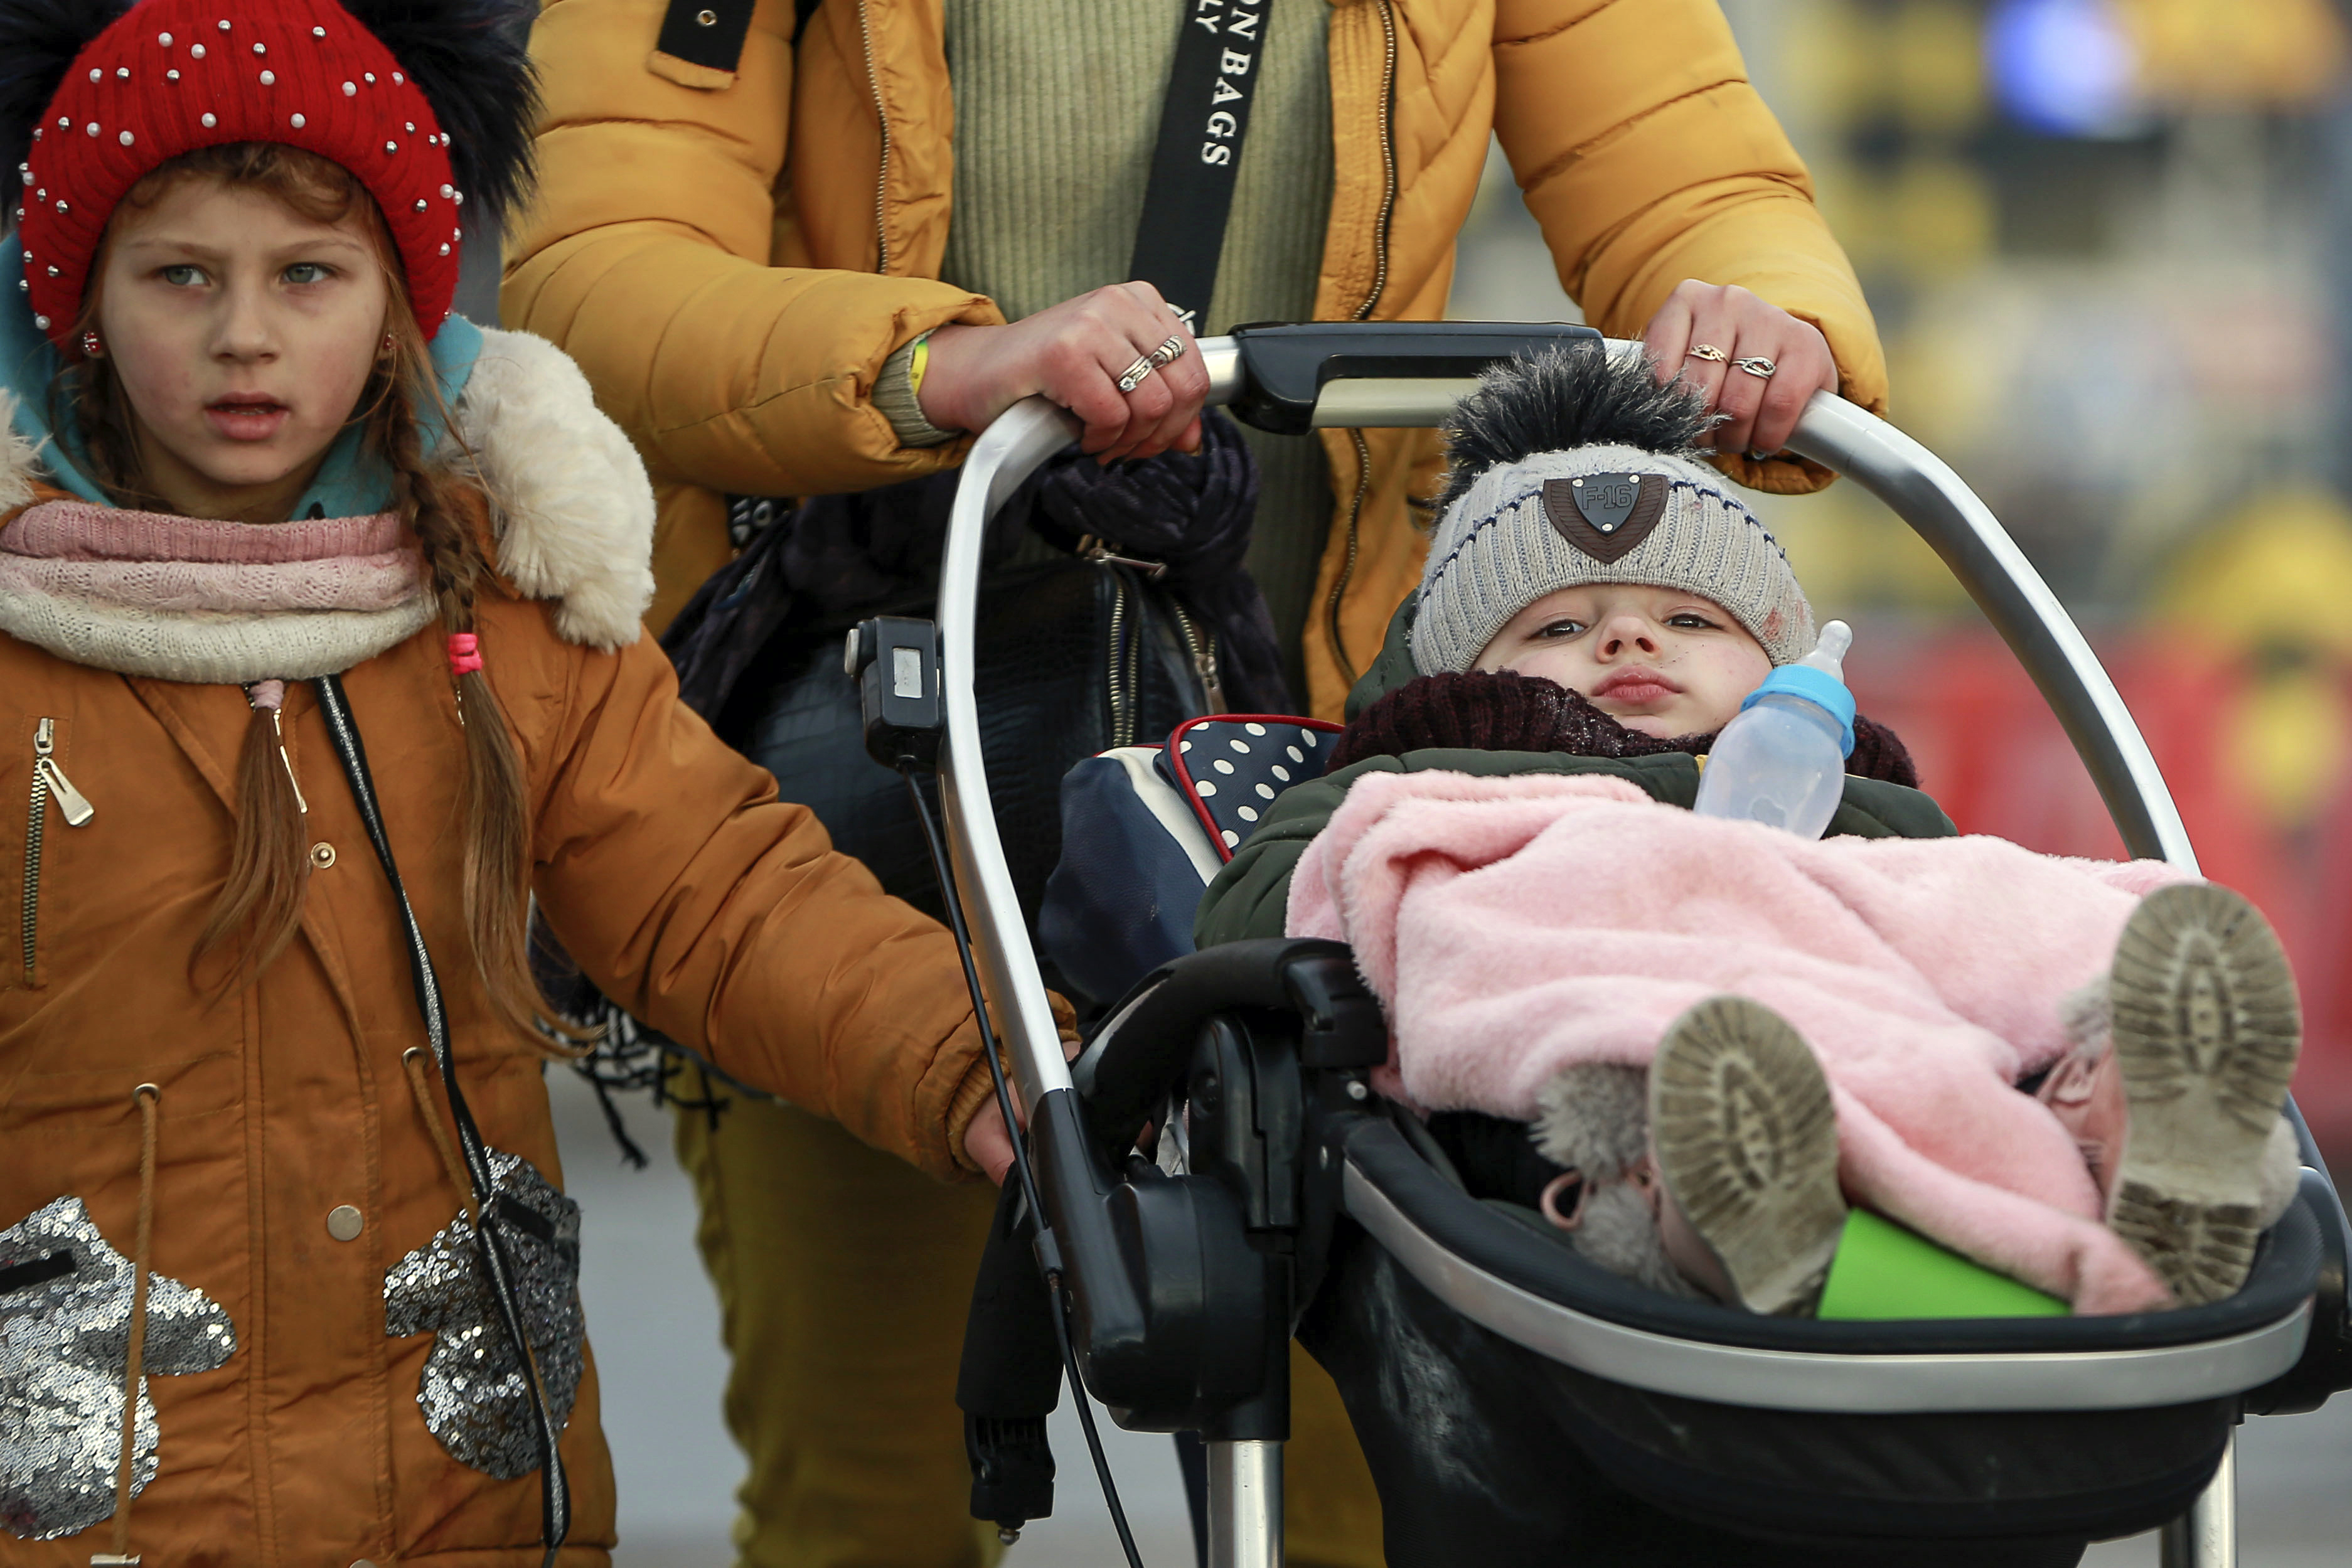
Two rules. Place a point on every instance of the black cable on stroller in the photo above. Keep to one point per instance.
(954, 905)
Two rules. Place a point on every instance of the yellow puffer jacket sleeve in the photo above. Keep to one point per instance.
(646, 256)
(1647, 158)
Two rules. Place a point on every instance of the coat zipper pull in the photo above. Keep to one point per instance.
(71, 801)
(1204, 664)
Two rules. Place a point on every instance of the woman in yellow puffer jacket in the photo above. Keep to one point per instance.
(742, 256)
(738, 335)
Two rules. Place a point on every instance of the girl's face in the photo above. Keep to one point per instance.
(1657, 660)
(243, 334)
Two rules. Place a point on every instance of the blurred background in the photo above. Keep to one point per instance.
(2106, 242)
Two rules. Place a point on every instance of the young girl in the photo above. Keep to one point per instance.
(1555, 947)
(319, 623)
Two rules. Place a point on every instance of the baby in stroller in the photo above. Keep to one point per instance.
(2064, 1072)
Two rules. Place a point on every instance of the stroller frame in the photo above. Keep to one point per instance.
(1295, 379)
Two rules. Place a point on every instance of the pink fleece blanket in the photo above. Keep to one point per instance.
(1513, 926)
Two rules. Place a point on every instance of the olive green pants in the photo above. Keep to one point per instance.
(843, 1278)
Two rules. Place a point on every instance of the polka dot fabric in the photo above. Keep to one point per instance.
(1231, 768)
(174, 76)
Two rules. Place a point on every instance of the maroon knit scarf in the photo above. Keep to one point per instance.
(1505, 711)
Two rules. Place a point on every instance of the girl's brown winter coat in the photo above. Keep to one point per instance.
(664, 862)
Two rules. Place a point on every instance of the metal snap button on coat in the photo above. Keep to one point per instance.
(322, 855)
(343, 1222)
(362, 1563)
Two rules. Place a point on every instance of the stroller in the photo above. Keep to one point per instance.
(1215, 1176)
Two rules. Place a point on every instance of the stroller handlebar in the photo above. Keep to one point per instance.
(1921, 488)
(1327, 376)
(1298, 378)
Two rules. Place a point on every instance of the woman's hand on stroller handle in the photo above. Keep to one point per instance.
(1750, 360)
(1075, 354)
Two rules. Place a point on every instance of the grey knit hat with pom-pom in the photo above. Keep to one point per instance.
(1578, 467)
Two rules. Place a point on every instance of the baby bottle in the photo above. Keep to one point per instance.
(1781, 761)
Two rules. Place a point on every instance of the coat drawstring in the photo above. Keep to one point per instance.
(414, 1059)
(149, 1099)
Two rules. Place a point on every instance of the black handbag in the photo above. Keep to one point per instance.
(1075, 657)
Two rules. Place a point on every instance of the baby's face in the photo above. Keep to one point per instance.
(1657, 660)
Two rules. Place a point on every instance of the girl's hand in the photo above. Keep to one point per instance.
(1074, 354)
(1760, 412)
(984, 1137)
(988, 1144)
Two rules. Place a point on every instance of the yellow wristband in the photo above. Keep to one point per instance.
(923, 357)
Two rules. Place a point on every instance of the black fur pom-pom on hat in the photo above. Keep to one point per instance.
(1563, 398)
(471, 59)
(38, 41)
(429, 103)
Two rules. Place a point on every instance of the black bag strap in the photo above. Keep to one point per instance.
(1191, 193)
(498, 1267)
(1202, 124)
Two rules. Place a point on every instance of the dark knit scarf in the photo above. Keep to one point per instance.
(1505, 711)
(1194, 514)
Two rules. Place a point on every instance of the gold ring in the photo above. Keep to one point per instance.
(1758, 366)
(1708, 352)
(1169, 352)
(1132, 377)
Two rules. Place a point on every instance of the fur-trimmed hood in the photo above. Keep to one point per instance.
(571, 503)
(572, 508)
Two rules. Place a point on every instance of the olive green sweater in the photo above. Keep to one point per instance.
(1056, 113)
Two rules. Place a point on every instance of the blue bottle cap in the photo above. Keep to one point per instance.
(1824, 691)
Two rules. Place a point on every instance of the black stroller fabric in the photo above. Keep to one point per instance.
(1473, 1439)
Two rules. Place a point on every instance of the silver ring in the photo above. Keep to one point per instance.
(1758, 366)
(1169, 352)
(1708, 352)
(1132, 377)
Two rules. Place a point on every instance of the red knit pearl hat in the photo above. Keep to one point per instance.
(168, 76)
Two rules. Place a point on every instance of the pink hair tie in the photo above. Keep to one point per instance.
(465, 653)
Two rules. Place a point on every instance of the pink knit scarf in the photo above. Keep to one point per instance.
(179, 599)
(150, 562)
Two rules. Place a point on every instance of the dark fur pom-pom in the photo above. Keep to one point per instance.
(469, 59)
(38, 39)
(1563, 398)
